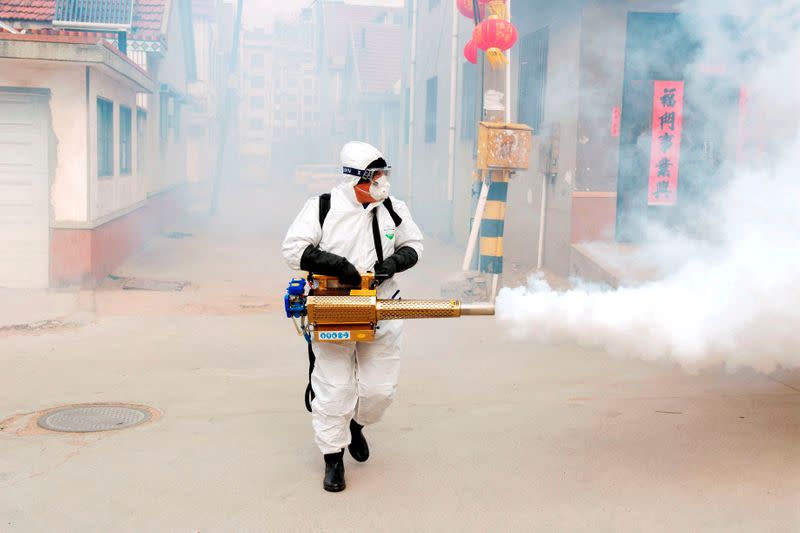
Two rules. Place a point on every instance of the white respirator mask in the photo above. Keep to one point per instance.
(379, 188)
(377, 177)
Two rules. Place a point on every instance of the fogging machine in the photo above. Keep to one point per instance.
(329, 311)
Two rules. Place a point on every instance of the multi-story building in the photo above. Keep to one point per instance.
(343, 30)
(312, 84)
(586, 76)
(371, 86)
(213, 32)
(279, 106)
(255, 104)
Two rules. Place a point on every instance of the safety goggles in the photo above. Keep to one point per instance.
(370, 174)
(373, 174)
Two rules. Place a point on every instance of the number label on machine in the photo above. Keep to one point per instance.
(333, 336)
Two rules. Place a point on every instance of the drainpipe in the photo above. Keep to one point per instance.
(540, 254)
(508, 72)
(451, 155)
(411, 94)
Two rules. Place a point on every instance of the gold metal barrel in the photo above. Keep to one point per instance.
(405, 309)
(348, 310)
(341, 310)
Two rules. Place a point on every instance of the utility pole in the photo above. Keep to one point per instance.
(412, 83)
(226, 109)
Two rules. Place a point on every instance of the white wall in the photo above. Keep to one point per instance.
(67, 115)
(171, 155)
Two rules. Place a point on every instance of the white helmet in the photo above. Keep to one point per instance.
(357, 156)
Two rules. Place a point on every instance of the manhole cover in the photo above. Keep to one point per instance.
(88, 418)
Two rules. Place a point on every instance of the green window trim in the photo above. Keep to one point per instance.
(125, 140)
(105, 138)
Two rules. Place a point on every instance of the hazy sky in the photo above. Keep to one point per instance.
(263, 12)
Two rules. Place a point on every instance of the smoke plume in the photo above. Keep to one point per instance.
(732, 296)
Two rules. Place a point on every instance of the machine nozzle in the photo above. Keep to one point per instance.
(477, 309)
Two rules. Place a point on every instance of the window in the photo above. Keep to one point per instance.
(432, 4)
(105, 137)
(176, 119)
(469, 107)
(163, 115)
(125, 133)
(432, 87)
(291, 115)
(141, 143)
(256, 102)
(533, 78)
(257, 82)
(257, 123)
(308, 99)
(291, 98)
(308, 84)
(257, 60)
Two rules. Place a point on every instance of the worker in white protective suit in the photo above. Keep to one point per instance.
(354, 382)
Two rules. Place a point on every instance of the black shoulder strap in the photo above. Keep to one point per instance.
(389, 207)
(376, 235)
(309, 395)
(324, 207)
(376, 232)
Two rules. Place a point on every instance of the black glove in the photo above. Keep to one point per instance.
(402, 259)
(328, 264)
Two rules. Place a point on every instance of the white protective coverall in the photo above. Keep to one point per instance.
(353, 380)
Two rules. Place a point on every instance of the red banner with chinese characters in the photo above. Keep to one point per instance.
(666, 143)
(616, 118)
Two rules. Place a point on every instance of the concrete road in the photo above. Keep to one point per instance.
(487, 434)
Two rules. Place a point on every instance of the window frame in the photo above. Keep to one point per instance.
(105, 138)
(125, 140)
(534, 50)
(141, 140)
(431, 109)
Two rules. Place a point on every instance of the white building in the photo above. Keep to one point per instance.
(92, 145)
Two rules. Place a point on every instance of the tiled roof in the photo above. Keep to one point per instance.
(147, 15)
(27, 9)
(337, 18)
(377, 52)
(147, 19)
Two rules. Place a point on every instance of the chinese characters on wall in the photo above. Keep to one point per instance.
(666, 143)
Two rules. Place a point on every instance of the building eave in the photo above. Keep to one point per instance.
(63, 49)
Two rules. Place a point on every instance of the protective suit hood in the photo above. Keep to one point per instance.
(356, 156)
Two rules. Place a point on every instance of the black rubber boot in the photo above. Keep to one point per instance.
(358, 444)
(334, 472)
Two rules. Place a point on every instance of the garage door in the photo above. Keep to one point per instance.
(24, 186)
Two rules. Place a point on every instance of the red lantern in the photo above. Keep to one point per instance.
(471, 52)
(465, 7)
(495, 35)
